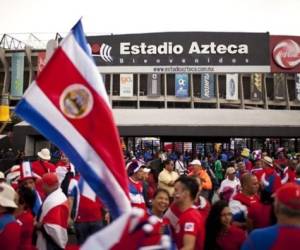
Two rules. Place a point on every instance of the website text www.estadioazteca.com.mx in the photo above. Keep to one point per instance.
(170, 69)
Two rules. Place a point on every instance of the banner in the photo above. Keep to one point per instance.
(17, 74)
(256, 86)
(297, 87)
(181, 85)
(41, 61)
(126, 85)
(153, 85)
(207, 86)
(285, 54)
(68, 104)
(181, 52)
(232, 86)
(279, 87)
(4, 108)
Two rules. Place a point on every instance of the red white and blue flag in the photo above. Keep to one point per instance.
(68, 104)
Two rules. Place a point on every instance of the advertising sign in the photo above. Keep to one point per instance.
(256, 86)
(297, 87)
(279, 87)
(17, 74)
(181, 85)
(126, 85)
(181, 52)
(207, 86)
(232, 87)
(153, 85)
(285, 54)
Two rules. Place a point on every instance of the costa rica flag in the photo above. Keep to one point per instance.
(68, 104)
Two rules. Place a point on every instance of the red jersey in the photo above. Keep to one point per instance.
(259, 213)
(10, 232)
(203, 206)
(187, 222)
(232, 239)
(40, 167)
(26, 218)
(258, 172)
(89, 210)
(136, 194)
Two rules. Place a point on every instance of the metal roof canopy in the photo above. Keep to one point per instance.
(201, 123)
(208, 122)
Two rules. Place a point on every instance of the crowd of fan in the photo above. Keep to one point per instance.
(245, 201)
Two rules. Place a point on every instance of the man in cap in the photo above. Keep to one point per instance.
(43, 164)
(10, 229)
(53, 220)
(285, 234)
(135, 173)
(245, 154)
(199, 171)
(230, 186)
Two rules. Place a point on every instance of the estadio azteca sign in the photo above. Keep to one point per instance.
(285, 54)
(177, 52)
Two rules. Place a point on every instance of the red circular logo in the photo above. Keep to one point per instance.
(286, 54)
(95, 48)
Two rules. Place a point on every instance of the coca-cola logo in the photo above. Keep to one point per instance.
(287, 54)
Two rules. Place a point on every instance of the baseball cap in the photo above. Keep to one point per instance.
(195, 162)
(50, 179)
(289, 195)
(7, 196)
(134, 166)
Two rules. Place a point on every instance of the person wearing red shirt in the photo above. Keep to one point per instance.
(135, 173)
(43, 164)
(10, 229)
(258, 169)
(221, 234)
(248, 211)
(53, 220)
(25, 216)
(88, 216)
(284, 234)
(186, 222)
(270, 180)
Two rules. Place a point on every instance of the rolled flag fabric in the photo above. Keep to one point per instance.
(68, 104)
(133, 230)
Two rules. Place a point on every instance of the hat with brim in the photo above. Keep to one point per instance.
(268, 160)
(7, 196)
(44, 154)
(2, 177)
